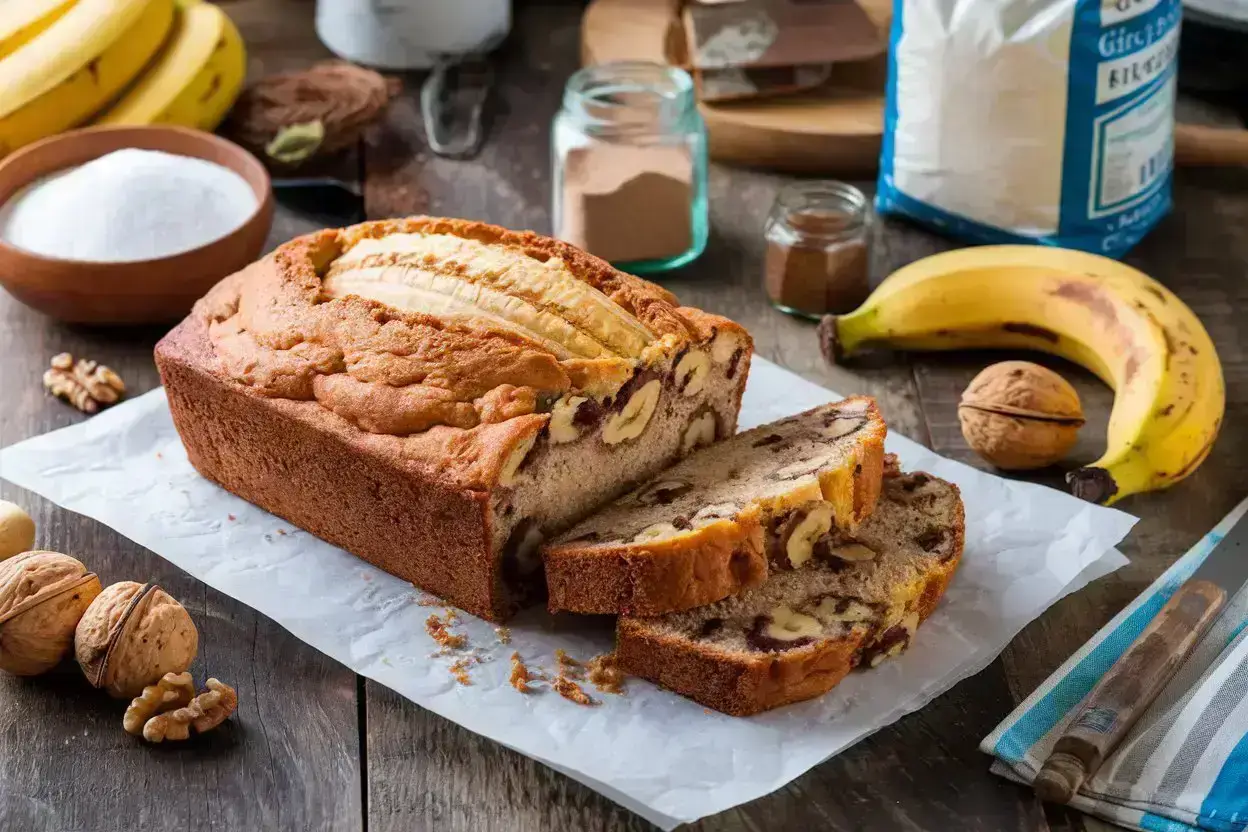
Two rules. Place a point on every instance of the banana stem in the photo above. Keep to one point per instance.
(836, 338)
(1096, 485)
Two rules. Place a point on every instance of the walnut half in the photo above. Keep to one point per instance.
(87, 385)
(203, 713)
(174, 690)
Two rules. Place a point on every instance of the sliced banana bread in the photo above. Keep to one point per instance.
(700, 530)
(435, 396)
(799, 633)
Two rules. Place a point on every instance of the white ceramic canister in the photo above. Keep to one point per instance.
(410, 34)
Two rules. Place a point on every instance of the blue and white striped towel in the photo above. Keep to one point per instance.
(1184, 766)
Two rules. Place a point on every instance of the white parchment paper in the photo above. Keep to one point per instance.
(660, 755)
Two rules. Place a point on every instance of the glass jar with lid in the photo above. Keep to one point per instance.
(818, 237)
(629, 166)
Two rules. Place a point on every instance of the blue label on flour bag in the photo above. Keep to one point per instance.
(1049, 122)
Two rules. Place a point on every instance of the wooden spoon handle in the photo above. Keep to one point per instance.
(1199, 146)
(1128, 689)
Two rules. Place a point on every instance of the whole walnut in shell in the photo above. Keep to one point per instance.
(42, 597)
(1019, 415)
(131, 636)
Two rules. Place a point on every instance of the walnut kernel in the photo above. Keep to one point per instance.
(85, 384)
(205, 712)
(173, 691)
(1020, 416)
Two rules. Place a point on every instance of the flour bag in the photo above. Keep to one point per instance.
(1045, 121)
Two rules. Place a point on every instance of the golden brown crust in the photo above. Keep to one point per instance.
(742, 684)
(313, 469)
(706, 564)
(656, 578)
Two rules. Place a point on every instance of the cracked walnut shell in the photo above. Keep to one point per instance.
(131, 636)
(1019, 415)
(42, 597)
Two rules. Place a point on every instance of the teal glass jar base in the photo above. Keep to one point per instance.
(663, 265)
(796, 313)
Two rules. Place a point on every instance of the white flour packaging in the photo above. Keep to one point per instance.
(1047, 121)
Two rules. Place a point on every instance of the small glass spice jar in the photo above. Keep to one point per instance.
(629, 165)
(817, 258)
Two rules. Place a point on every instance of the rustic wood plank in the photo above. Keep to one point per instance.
(290, 759)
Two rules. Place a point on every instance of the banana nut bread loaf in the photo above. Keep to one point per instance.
(707, 527)
(436, 396)
(798, 634)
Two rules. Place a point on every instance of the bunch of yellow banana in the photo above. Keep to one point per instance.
(1125, 327)
(66, 62)
(195, 78)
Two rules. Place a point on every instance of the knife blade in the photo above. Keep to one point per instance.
(1227, 564)
(1131, 684)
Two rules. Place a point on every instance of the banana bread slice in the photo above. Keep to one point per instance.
(799, 633)
(707, 527)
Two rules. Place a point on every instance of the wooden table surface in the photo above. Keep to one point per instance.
(315, 747)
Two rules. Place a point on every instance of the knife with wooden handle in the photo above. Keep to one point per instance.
(1134, 681)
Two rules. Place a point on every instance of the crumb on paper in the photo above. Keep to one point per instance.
(571, 691)
(231, 517)
(439, 630)
(460, 669)
(566, 666)
(504, 635)
(605, 674)
(520, 677)
(159, 455)
(282, 532)
(429, 602)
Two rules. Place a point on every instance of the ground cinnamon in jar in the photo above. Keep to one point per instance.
(626, 203)
(817, 258)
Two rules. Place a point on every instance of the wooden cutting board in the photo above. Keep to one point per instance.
(835, 129)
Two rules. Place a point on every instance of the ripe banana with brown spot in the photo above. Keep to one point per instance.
(194, 79)
(1128, 329)
(75, 66)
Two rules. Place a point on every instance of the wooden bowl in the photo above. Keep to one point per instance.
(143, 291)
